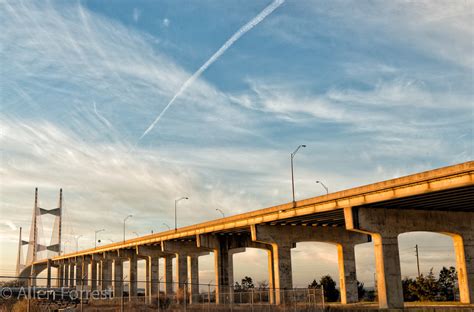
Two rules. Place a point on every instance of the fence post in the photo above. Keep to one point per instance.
(158, 299)
(322, 294)
(185, 291)
(121, 296)
(251, 298)
(209, 297)
(82, 294)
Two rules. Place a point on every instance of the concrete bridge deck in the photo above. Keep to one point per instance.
(439, 200)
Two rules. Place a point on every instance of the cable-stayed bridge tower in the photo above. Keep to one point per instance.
(34, 243)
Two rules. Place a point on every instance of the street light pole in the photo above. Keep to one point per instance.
(292, 172)
(175, 214)
(223, 215)
(125, 220)
(323, 185)
(95, 237)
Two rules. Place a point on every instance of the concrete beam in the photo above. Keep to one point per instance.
(386, 224)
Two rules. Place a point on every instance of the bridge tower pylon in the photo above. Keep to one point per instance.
(34, 245)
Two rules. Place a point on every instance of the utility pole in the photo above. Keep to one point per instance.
(417, 260)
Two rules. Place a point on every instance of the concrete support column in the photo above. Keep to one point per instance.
(118, 278)
(147, 280)
(347, 273)
(72, 272)
(387, 265)
(181, 272)
(464, 251)
(271, 277)
(48, 274)
(193, 269)
(85, 272)
(222, 266)
(282, 270)
(106, 274)
(154, 277)
(168, 264)
(66, 274)
(132, 292)
(99, 275)
(93, 275)
(60, 276)
(78, 273)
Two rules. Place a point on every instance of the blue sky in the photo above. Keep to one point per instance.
(375, 89)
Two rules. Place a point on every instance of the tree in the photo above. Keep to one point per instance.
(313, 285)
(407, 286)
(447, 283)
(360, 290)
(425, 288)
(331, 294)
(247, 283)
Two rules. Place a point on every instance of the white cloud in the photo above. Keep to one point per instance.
(166, 22)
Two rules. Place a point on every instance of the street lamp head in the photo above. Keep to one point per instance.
(303, 145)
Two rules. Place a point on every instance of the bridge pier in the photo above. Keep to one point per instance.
(384, 225)
(71, 274)
(118, 277)
(283, 238)
(224, 248)
(152, 257)
(93, 276)
(132, 275)
(78, 272)
(193, 270)
(187, 263)
(60, 275)
(168, 274)
(66, 274)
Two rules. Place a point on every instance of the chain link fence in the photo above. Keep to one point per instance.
(32, 295)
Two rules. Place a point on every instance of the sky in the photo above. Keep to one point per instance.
(376, 90)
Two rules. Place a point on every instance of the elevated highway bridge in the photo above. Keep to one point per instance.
(440, 200)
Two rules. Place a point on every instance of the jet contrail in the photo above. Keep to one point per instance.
(254, 22)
